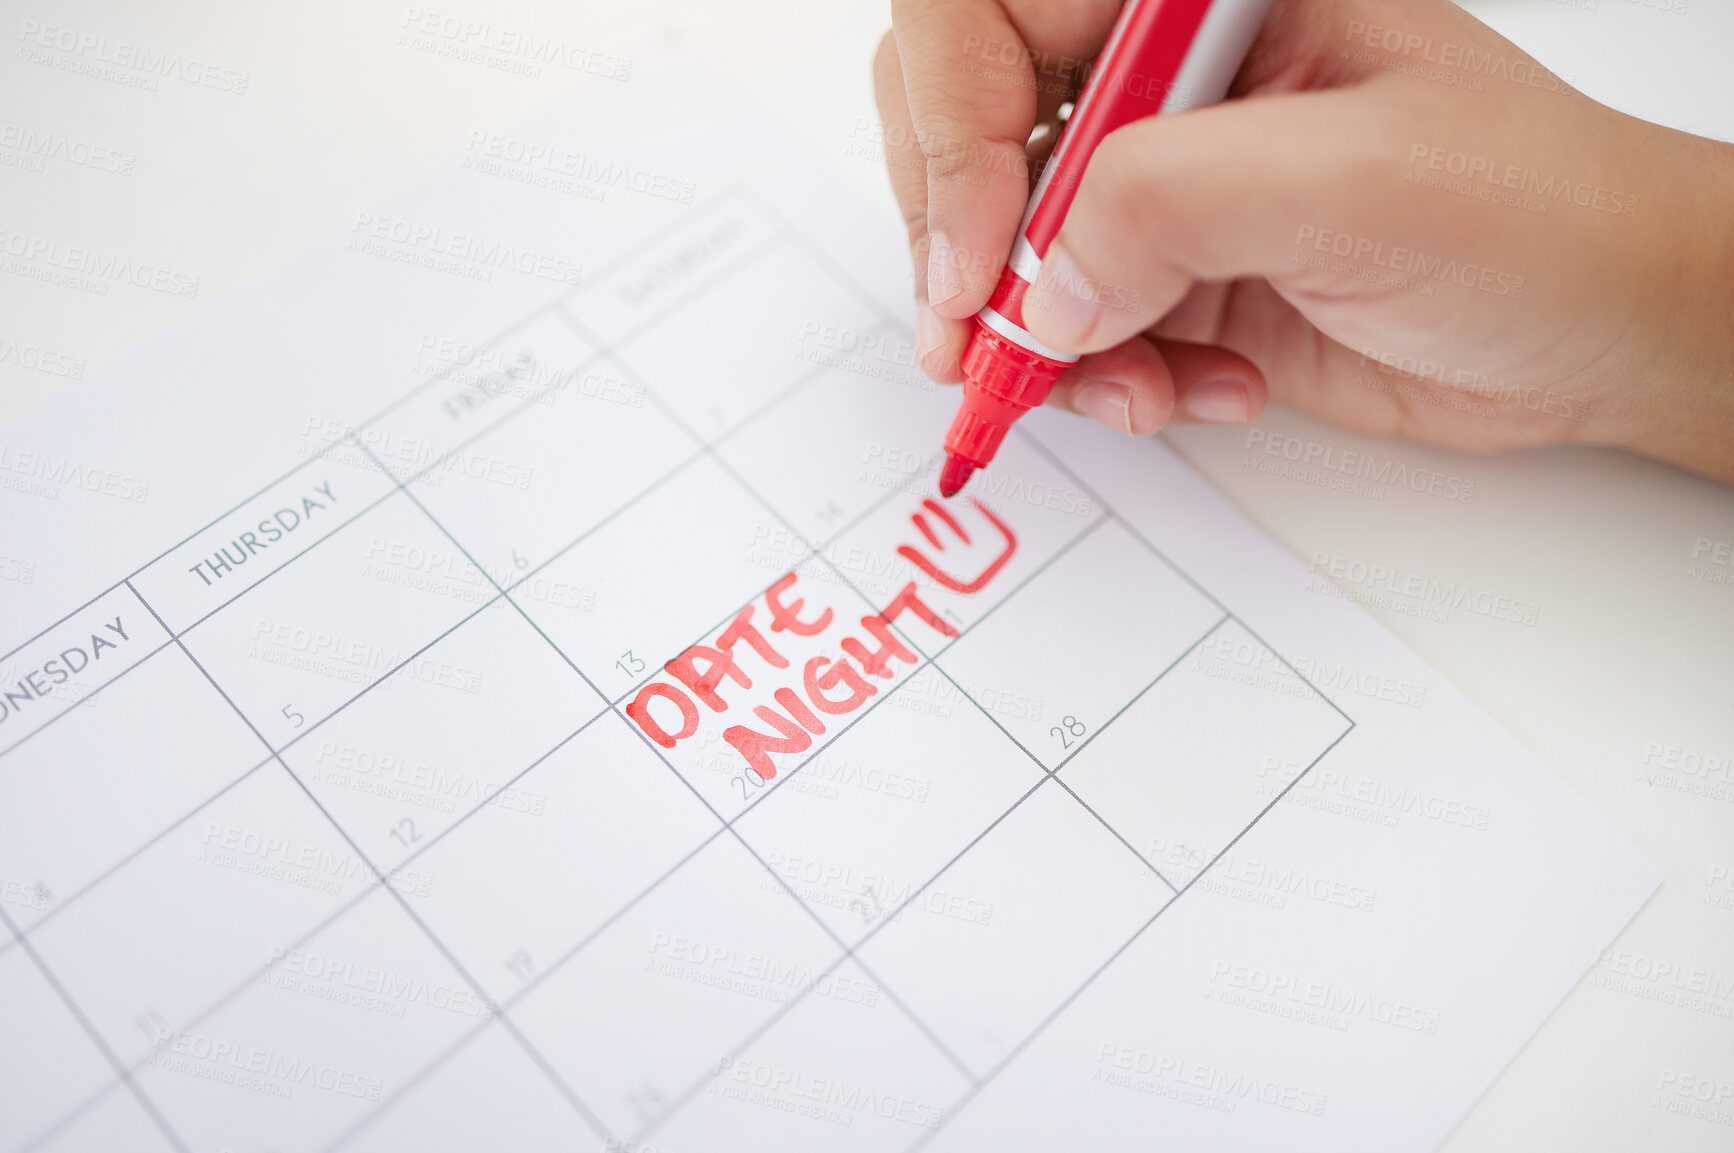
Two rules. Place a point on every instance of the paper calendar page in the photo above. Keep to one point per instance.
(503, 678)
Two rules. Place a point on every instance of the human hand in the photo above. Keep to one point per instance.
(1406, 226)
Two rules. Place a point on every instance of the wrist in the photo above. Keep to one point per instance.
(1684, 385)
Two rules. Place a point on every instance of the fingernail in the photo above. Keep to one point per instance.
(929, 335)
(1066, 297)
(943, 279)
(1216, 400)
(1107, 402)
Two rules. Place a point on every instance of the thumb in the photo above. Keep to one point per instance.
(1213, 194)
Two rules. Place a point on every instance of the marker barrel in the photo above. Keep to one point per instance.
(1162, 56)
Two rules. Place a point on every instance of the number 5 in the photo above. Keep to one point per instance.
(294, 717)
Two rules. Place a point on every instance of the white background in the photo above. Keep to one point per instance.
(1630, 665)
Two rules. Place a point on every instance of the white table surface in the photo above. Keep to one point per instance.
(1625, 685)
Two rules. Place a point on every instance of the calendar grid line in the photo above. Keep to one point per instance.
(1065, 549)
(518, 995)
(389, 673)
(820, 256)
(1089, 529)
(123, 1074)
(548, 307)
(126, 582)
(1055, 460)
(1173, 889)
(850, 951)
(535, 1055)
(1055, 771)
(529, 1049)
(88, 886)
(1228, 613)
(500, 591)
(409, 1085)
(933, 660)
(527, 575)
(1017, 1050)
(567, 303)
(114, 1085)
(600, 351)
(815, 551)
(366, 689)
(579, 1106)
(348, 906)
(851, 954)
(926, 660)
(562, 310)
(73, 708)
(308, 463)
(381, 880)
(173, 635)
(1059, 553)
(552, 969)
(307, 732)
(727, 823)
(1138, 535)
(403, 903)
(1136, 697)
(136, 852)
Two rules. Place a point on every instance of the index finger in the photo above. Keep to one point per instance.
(972, 95)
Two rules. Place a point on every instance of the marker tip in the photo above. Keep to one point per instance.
(954, 475)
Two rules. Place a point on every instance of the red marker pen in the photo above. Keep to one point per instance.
(1162, 56)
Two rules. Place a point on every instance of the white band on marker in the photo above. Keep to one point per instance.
(1021, 338)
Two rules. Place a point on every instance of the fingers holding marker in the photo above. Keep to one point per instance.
(1212, 195)
(939, 342)
(971, 125)
(1141, 385)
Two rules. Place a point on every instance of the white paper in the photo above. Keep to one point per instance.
(1141, 836)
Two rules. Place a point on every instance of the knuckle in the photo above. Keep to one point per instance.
(946, 164)
(915, 222)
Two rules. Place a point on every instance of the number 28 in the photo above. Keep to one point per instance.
(1068, 730)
